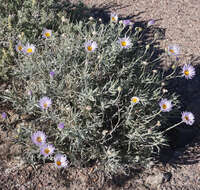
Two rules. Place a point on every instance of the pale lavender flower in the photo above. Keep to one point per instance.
(125, 42)
(90, 46)
(173, 50)
(46, 33)
(4, 115)
(47, 149)
(38, 138)
(45, 102)
(114, 17)
(29, 49)
(165, 105)
(187, 117)
(150, 23)
(19, 47)
(61, 125)
(29, 92)
(188, 71)
(52, 73)
(126, 22)
(60, 161)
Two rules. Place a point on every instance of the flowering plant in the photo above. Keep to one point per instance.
(96, 94)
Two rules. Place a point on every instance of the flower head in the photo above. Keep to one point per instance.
(61, 125)
(19, 47)
(125, 42)
(29, 92)
(4, 115)
(113, 17)
(29, 49)
(46, 33)
(90, 46)
(38, 138)
(165, 105)
(60, 161)
(47, 149)
(135, 100)
(173, 50)
(150, 23)
(188, 71)
(127, 22)
(188, 118)
(52, 73)
(45, 102)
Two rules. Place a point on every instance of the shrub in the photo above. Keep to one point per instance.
(92, 89)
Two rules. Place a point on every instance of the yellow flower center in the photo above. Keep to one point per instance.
(29, 50)
(186, 72)
(58, 162)
(172, 51)
(164, 106)
(46, 150)
(123, 43)
(186, 117)
(134, 100)
(113, 19)
(47, 34)
(45, 105)
(89, 48)
(39, 139)
(20, 48)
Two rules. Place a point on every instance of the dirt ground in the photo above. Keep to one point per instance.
(181, 168)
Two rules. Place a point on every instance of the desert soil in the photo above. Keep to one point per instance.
(181, 171)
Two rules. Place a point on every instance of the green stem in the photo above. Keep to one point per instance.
(172, 127)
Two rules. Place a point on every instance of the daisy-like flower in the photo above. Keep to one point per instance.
(61, 125)
(46, 33)
(47, 149)
(188, 118)
(125, 42)
(45, 102)
(188, 71)
(29, 49)
(52, 73)
(173, 50)
(127, 22)
(165, 105)
(4, 115)
(38, 138)
(113, 17)
(60, 161)
(19, 47)
(135, 100)
(90, 46)
(150, 23)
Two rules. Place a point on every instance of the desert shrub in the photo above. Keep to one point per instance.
(93, 89)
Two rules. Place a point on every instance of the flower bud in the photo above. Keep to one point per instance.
(164, 90)
(88, 108)
(162, 84)
(119, 89)
(147, 46)
(145, 63)
(91, 18)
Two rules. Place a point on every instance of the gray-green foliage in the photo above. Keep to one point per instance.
(91, 93)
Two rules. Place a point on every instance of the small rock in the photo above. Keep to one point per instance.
(155, 180)
(167, 177)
